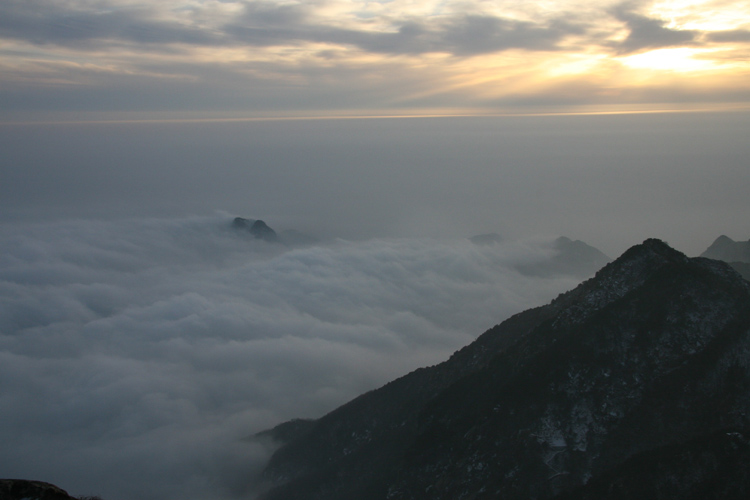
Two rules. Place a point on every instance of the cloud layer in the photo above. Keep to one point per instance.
(334, 56)
(137, 355)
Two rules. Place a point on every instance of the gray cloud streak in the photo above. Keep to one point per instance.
(462, 35)
(729, 36)
(265, 24)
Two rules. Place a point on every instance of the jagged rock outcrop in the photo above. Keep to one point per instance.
(646, 363)
(22, 489)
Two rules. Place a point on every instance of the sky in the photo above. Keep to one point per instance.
(81, 59)
(142, 341)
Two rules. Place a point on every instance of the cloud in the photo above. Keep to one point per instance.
(265, 24)
(64, 24)
(312, 57)
(648, 33)
(730, 36)
(138, 355)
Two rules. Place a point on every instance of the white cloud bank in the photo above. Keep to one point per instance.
(137, 355)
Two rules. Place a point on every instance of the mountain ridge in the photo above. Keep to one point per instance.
(568, 390)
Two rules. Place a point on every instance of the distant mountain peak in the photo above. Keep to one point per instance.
(573, 258)
(257, 228)
(726, 249)
(723, 239)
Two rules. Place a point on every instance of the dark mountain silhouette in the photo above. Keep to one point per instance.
(736, 253)
(635, 384)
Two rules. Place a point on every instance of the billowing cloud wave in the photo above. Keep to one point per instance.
(138, 355)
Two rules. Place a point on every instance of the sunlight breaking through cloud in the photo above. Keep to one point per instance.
(263, 55)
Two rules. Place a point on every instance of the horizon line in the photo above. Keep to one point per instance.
(583, 110)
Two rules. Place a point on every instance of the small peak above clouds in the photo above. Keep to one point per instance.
(257, 228)
(262, 231)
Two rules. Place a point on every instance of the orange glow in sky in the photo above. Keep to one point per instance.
(334, 56)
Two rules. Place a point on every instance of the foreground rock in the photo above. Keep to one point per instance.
(636, 384)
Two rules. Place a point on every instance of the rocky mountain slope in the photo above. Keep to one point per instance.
(636, 381)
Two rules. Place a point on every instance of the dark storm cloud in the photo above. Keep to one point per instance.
(647, 33)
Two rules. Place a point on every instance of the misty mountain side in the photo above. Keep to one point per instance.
(21, 489)
(568, 257)
(736, 253)
(574, 258)
(634, 384)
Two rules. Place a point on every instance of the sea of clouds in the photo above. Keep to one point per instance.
(138, 357)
